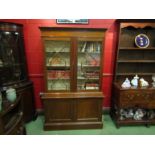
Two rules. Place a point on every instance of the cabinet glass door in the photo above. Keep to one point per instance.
(88, 68)
(57, 64)
(12, 66)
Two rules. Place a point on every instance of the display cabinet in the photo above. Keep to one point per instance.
(11, 118)
(13, 68)
(134, 105)
(73, 76)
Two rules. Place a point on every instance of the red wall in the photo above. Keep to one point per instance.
(34, 51)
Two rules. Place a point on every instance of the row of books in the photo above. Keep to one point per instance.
(90, 47)
(58, 74)
(88, 86)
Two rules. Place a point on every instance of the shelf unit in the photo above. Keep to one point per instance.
(13, 67)
(131, 60)
(73, 69)
(11, 118)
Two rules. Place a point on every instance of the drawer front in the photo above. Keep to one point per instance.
(151, 104)
(136, 98)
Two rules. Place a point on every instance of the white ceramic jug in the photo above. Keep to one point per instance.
(11, 94)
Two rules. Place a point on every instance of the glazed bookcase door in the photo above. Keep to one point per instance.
(12, 66)
(88, 64)
(57, 63)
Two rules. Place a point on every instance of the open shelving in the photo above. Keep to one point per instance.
(130, 61)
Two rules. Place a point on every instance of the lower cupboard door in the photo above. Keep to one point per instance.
(89, 109)
(58, 110)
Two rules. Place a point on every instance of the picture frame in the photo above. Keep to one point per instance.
(72, 21)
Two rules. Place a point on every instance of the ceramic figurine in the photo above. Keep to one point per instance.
(139, 114)
(126, 83)
(153, 78)
(122, 114)
(143, 83)
(151, 114)
(11, 94)
(134, 81)
(130, 113)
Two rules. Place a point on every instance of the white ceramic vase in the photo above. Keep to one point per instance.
(11, 94)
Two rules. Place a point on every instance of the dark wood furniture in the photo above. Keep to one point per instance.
(73, 71)
(26, 90)
(11, 118)
(131, 60)
(13, 68)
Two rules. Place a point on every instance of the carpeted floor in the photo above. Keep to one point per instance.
(36, 128)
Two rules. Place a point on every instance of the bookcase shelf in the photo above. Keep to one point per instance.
(136, 48)
(136, 61)
(133, 73)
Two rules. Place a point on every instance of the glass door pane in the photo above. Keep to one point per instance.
(12, 67)
(89, 53)
(57, 64)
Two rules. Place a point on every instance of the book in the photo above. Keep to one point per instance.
(84, 47)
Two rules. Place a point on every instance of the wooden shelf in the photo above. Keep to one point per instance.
(131, 121)
(57, 52)
(85, 78)
(58, 79)
(136, 61)
(91, 66)
(58, 67)
(89, 52)
(135, 48)
(125, 74)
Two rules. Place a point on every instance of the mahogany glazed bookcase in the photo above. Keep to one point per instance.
(73, 61)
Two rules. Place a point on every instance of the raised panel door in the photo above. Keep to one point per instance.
(59, 110)
(89, 109)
